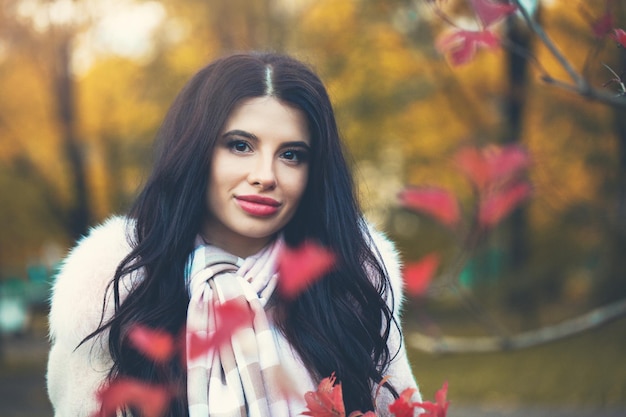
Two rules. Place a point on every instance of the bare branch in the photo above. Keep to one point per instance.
(601, 96)
(545, 39)
(581, 85)
(543, 335)
(617, 78)
(527, 55)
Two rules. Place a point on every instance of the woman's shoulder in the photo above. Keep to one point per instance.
(79, 288)
(389, 256)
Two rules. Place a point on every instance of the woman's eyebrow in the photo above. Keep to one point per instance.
(296, 144)
(243, 133)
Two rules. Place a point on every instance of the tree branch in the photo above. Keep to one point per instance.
(545, 39)
(581, 85)
(543, 335)
(601, 96)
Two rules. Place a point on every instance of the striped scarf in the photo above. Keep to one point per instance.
(239, 378)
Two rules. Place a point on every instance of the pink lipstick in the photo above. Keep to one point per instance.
(257, 205)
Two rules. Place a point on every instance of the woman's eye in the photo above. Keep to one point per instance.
(239, 146)
(294, 155)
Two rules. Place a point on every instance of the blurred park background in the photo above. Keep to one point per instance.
(85, 83)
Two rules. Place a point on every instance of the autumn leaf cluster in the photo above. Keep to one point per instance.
(327, 402)
(497, 177)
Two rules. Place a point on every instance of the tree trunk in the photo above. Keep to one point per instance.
(514, 103)
(615, 287)
(619, 115)
(78, 215)
(611, 284)
(520, 296)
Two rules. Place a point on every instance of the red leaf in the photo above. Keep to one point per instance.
(155, 344)
(440, 407)
(472, 163)
(327, 401)
(152, 400)
(302, 266)
(441, 394)
(418, 275)
(603, 25)
(435, 202)
(230, 316)
(403, 406)
(489, 12)
(499, 204)
(461, 45)
(491, 165)
(505, 161)
(619, 35)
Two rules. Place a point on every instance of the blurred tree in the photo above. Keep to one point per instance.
(514, 107)
(575, 162)
(55, 61)
(617, 283)
(41, 35)
(384, 88)
(401, 108)
(596, 57)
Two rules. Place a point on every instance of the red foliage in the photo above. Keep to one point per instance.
(499, 204)
(151, 400)
(492, 165)
(155, 344)
(437, 409)
(418, 275)
(505, 162)
(327, 401)
(490, 12)
(461, 45)
(435, 202)
(495, 172)
(603, 25)
(471, 161)
(619, 36)
(230, 316)
(302, 266)
(403, 406)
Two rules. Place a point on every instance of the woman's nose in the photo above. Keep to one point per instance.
(262, 174)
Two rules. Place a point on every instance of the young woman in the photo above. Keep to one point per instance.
(249, 161)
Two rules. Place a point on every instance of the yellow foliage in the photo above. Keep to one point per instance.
(401, 108)
(28, 113)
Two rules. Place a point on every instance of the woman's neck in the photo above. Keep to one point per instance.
(241, 246)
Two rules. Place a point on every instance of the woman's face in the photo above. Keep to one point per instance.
(259, 171)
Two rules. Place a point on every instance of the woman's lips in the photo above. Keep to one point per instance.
(258, 205)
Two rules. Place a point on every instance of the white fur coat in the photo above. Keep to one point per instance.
(75, 374)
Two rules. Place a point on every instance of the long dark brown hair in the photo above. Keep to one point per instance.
(342, 323)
